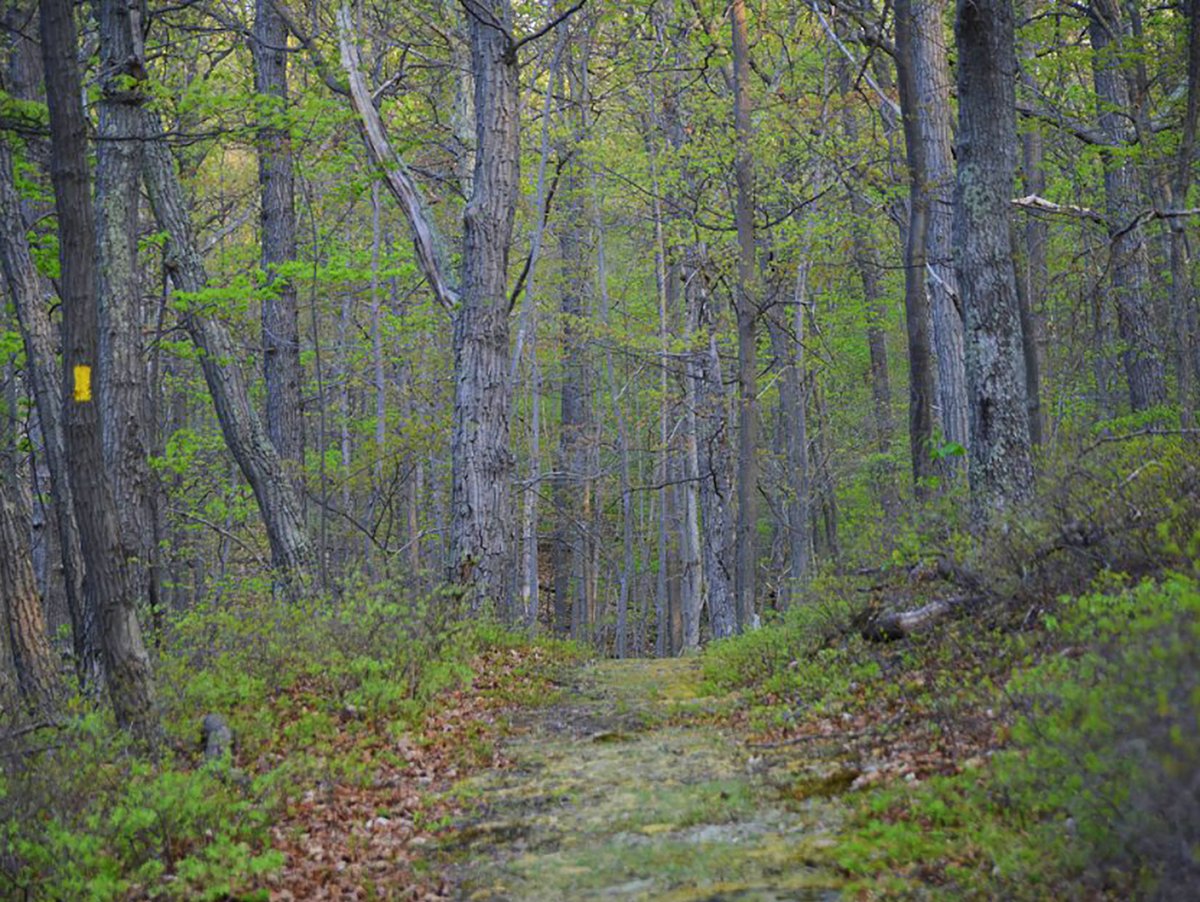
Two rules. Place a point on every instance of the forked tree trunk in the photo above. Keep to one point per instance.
(1001, 474)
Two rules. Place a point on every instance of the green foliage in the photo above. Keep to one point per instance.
(87, 818)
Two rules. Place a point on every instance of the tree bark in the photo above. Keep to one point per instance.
(481, 525)
(746, 303)
(108, 581)
(931, 73)
(259, 462)
(25, 288)
(921, 384)
(124, 389)
(1141, 356)
(25, 623)
(1034, 275)
(280, 321)
(1001, 474)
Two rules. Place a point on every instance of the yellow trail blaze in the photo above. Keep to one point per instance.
(83, 383)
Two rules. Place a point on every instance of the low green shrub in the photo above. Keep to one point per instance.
(83, 815)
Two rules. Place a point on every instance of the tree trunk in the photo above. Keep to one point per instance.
(108, 581)
(481, 524)
(1183, 296)
(931, 73)
(869, 266)
(124, 389)
(1034, 275)
(25, 624)
(570, 537)
(921, 385)
(746, 297)
(1142, 354)
(36, 332)
(716, 486)
(280, 322)
(291, 551)
(1001, 474)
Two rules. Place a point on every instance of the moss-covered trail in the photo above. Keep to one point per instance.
(630, 788)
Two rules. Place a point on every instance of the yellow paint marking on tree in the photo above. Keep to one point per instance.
(83, 383)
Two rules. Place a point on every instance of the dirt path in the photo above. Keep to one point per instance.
(626, 789)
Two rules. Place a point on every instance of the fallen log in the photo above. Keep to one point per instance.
(896, 625)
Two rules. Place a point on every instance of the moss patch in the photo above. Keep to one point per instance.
(631, 790)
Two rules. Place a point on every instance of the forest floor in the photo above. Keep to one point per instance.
(632, 784)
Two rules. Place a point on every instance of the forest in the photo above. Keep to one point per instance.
(535, 449)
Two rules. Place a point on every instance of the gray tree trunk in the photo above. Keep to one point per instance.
(259, 462)
(1034, 274)
(1001, 474)
(25, 288)
(1141, 356)
(481, 524)
(280, 322)
(746, 297)
(108, 581)
(124, 388)
(931, 72)
(921, 383)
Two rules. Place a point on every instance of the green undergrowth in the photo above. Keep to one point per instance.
(84, 815)
(1073, 743)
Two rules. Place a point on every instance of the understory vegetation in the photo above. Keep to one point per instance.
(343, 713)
(1043, 743)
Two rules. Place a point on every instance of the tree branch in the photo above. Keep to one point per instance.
(399, 182)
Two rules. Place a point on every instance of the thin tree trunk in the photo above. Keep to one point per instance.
(108, 581)
(787, 343)
(747, 320)
(1001, 473)
(666, 277)
(1034, 276)
(291, 551)
(570, 537)
(1130, 266)
(931, 73)
(869, 266)
(280, 321)
(921, 385)
(1183, 296)
(622, 441)
(528, 332)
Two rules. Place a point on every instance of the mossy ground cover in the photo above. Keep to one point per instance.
(637, 785)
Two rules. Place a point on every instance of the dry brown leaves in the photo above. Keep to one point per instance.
(370, 837)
